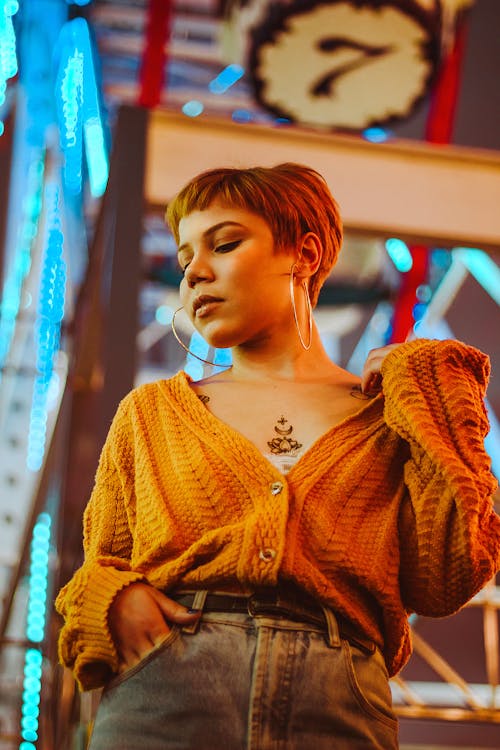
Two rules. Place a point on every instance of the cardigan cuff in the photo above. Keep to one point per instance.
(97, 658)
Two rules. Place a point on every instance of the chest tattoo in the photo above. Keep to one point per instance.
(203, 398)
(283, 442)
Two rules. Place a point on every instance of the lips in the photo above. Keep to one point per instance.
(203, 303)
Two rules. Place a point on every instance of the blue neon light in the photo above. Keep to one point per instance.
(35, 631)
(193, 108)
(482, 267)
(79, 110)
(71, 89)
(198, 346)
(37, 41)
(399, 253)
(241, 115)
(16, 274)
(375, 135)
(424, 293)
(418, 311)
(97, 158)
(164, 314)
(226, 79)
(223, 358)
(48, 328)
(8, 58)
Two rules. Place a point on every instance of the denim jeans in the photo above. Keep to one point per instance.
(249, 683)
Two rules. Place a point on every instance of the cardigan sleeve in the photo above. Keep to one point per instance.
(449, 531)
(85, 643)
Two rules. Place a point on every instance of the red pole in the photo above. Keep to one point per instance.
(439, 129)
(403, 321)
(154, 57)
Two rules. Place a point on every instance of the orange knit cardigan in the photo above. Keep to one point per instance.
(388, 513)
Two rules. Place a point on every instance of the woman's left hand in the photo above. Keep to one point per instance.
(371, 378)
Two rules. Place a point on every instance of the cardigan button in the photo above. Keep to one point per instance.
(267, 554)
(276, 488)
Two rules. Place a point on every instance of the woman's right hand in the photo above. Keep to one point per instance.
(139, 619)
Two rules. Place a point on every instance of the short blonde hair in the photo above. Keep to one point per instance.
(293, 199)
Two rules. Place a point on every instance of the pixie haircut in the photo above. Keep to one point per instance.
(293, 199)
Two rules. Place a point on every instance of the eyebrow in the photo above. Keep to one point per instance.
(210, 232)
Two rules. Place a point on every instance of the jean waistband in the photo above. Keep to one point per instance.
(291, 604)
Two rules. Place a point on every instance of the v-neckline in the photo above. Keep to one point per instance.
(201, 410)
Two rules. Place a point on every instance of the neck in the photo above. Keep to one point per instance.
(290, 363)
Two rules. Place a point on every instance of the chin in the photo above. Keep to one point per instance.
(219, 339)
(221, 342)
(224, 336)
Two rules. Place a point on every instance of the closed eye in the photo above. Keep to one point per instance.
(227, 246)
(182, 267)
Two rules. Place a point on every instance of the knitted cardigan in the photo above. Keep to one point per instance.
(389, 512)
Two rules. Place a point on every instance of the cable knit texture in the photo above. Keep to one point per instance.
(389, 512)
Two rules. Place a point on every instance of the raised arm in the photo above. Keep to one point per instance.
(449, 532)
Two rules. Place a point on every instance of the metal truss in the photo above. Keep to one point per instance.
(453, 698)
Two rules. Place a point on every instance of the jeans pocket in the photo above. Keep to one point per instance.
(370, 683)
(155, 652)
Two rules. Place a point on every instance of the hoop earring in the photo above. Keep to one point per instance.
(186, 348)
(309, 310)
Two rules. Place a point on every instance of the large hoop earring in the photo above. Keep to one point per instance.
(309, 310)
(186, 348)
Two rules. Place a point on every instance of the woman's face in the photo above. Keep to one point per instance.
(235, 287)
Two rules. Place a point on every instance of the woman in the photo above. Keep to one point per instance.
(255, 540)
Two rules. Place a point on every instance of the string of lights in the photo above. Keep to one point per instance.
(48, 327)
(8, 57)
(79, 110)
(35, 631)
(22, 257)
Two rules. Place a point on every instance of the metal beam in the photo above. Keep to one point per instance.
(441, 196)
(105, 327)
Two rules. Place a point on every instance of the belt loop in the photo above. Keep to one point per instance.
(198, 603)
(333, 638)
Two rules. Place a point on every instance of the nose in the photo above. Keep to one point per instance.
(197, 270)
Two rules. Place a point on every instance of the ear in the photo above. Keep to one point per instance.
(309, 255)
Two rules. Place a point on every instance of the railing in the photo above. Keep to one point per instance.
(454, 698)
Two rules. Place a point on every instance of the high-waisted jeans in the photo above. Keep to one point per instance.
(249, 683)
